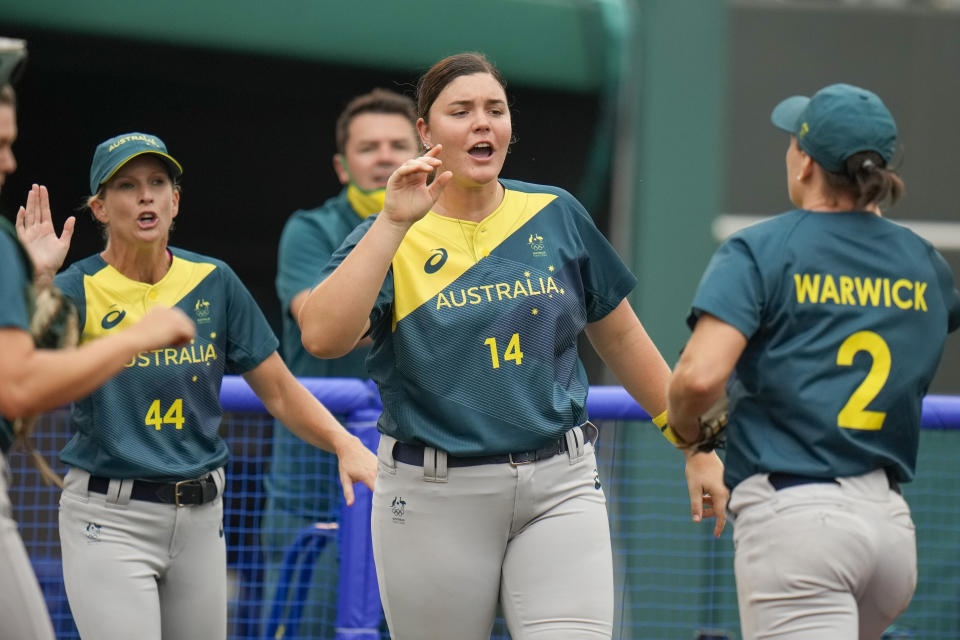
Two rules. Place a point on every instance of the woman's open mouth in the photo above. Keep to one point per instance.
(481, 150)
(147, 220)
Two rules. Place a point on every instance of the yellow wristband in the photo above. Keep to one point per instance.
(660, 420)
(661, 423)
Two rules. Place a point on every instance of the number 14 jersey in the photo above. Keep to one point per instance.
(475, 328)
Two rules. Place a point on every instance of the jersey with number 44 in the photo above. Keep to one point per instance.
(159, 417)
(845, 316)
(475, 328)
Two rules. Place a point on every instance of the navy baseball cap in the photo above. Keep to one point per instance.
(837, 122)
(119, 150)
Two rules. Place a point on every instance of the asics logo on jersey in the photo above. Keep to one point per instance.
(112, 318)
(436, 260)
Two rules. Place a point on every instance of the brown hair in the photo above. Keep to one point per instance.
(446, 71)
(867, 179)
(8, 96)
(377, 101)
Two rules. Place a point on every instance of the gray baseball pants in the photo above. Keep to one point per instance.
(452, 543)
(23, 612)
(822, 561)
(144, 570)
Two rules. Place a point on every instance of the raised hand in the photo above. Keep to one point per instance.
(408, 196)
(36, 232)
(163, 327)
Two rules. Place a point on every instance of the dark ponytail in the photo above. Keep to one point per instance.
(866, 177)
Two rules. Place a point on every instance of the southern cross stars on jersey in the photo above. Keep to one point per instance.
(15, 300)
(848, 312)
(475, 329)
(159, 417)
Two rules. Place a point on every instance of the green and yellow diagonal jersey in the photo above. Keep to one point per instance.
(475, 328)
(159, 417)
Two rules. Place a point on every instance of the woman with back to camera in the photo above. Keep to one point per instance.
(474, 290)
(832, 321)
(141, 516)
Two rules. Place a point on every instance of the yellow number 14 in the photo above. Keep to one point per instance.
(174, 415)
(512, 353)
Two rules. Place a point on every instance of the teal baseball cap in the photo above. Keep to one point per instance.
(837, 122)
(117, 151)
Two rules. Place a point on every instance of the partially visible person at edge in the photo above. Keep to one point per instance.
(141, 516)
(35, 380)
(488, 492)
(375, 134)
(826, 324)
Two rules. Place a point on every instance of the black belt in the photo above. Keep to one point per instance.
(786, 480)
(413, 454)
(183, 493)
(781, 480)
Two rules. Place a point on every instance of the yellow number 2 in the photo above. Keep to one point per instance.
(174, 415)
(512, 353)
(854, 414)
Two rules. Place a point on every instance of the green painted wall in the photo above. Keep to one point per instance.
(667, 190)
(679, 76)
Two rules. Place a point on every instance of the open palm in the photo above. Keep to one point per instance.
(36, 232)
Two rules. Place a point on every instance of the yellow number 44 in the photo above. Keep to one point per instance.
(512, 353)
(174, 415)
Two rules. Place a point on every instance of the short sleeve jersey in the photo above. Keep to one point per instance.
(159, 417)
(845, 316)
(475, 328)
(15, 300)
(308, 240)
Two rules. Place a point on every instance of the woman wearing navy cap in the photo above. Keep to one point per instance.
(826, 323)
(141, 516)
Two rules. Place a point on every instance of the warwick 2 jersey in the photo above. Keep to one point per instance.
(845, 316)
(475, 328)
(159, 417)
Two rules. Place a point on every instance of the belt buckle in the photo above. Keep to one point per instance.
(523, 457)
(176, 491)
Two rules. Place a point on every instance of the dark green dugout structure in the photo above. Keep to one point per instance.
(545, 44)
